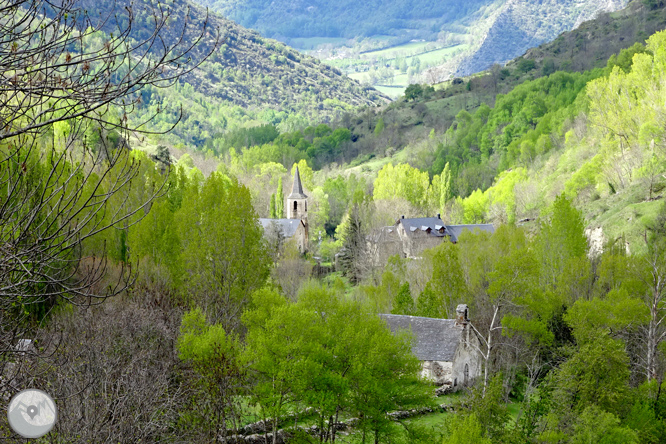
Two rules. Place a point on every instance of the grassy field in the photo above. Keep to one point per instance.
(392, 91)
(400, 79)
(400, 50)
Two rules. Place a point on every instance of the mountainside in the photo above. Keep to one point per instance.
(375, 41)
(246, 69)
(593, 42)
(523, 24)
(346, 18)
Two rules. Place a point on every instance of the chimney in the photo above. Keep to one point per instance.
(439, 216)
(461, 314)
(402, 217)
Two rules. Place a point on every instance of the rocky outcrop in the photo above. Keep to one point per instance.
(523, 24)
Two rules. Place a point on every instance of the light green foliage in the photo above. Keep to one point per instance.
(627, 105)
(643, 419)
(186, 161)
(489, 404)
(385, 295)
(318, 212)
(561, 248)
(379, 128)
(279, 201)
(331, 354)
(223, 250)
(618, 310)
(214, 356)
(586, 176)
(341, 192)
(402, 181)
(447, 282)
(597, 426)
(625, 58)
(597, 374)
(445, 187)
(465, 429)
(156, 238)
(429, 304)
(502, 193)
(404, 302)
(474, 207)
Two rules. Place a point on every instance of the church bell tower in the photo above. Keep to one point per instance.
(297, 202)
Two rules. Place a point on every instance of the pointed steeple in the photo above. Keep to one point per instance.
(297, 188)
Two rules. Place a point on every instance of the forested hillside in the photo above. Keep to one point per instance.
(448, 38)
(245, 74)
(346, 18)
(521, 25)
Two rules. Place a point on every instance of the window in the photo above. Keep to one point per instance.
(295, 205)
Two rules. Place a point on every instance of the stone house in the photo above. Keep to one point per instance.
(448, 349)
(277, 231)
(295, 226)
(408, 237)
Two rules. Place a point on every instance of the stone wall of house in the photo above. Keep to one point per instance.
(414, 243)
(439, 372)
(467, 354)
(301, 236)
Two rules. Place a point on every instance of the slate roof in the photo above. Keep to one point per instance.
(436, 339)
(456, 230)
(289, 226)
(422, 224)
(297, 188)
(433, 225)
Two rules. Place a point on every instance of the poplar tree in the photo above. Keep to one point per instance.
(279, 201)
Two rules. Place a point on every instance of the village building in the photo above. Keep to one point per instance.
(408, 237)
(447, 348)
(295, 226)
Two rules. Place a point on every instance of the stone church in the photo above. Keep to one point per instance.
(295, 226)
(447, 348)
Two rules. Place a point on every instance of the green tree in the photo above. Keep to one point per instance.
(379, 128)
(597, 426)
(597, 374)
(333, 355)
(223, 249)
(214, 357)
(445, 188)
(404, 302)
(413, 92)
(403, 181)
(279, 201)
(465, 429)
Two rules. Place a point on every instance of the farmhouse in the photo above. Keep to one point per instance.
(408, 237)
(447, 348)
(296, 224)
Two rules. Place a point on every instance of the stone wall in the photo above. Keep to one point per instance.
(468, 354)
(439, 372)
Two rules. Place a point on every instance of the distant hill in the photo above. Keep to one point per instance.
(248, 70)
(593, 42)
(408, 122)
(486, 31)
(523, 24)
(347, 18)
